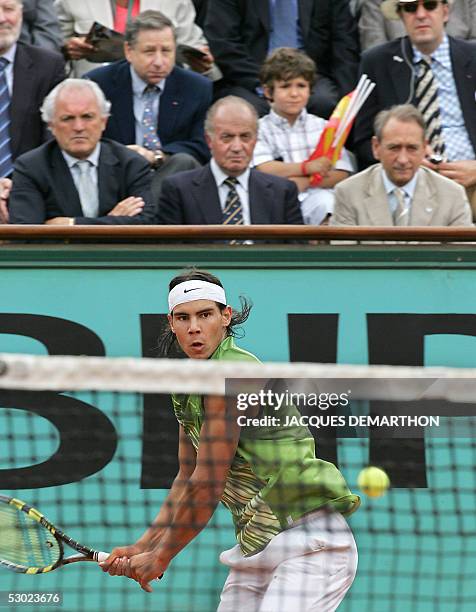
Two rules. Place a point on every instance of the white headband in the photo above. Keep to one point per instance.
(192, 290)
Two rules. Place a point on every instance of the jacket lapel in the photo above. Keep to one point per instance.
(376, 201)
(205, 193)
(171, 101)
(262, 10)
(401, 75)
(305, 12)
(465, 85)
(260, 199)
(108, 181)
(424, 199)
(123, 101)
(22, 95)
(64, 186)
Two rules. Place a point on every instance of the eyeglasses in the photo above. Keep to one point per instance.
(412, 7)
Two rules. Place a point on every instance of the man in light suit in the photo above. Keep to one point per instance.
(398, 190)
(157, 108)
(79, 178)
(241, 33)
(203, 196)
(395, 68)
(30, 73)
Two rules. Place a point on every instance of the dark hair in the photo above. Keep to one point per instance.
(167, 339)
(147, 20)
(286, 63)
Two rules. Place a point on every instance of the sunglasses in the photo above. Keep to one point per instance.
(412, 7)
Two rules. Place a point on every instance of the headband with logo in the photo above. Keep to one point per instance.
(192, 290)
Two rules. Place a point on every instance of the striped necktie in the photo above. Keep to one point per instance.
(150, 139)
(426, 96)
(6, 166)
(233, 211)
(400, 216)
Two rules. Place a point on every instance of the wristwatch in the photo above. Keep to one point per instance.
(159, 159)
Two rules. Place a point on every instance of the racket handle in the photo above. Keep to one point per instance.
(101, 556)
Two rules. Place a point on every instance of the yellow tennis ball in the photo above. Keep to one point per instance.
(373, 481)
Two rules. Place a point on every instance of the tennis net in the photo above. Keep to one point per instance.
(92, 443)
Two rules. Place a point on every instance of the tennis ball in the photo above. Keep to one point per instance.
(373, 481)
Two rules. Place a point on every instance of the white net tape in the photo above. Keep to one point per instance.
(56, 373)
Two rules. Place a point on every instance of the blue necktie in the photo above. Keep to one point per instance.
(150, 139)
(284, 24)
(6, 167)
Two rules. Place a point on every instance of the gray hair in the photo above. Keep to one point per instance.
(147, 20)
(228, 101)
(406, 113)
(49, 103)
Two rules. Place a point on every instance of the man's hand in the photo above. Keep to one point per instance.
(146, 567)
(5, 188)
(201, 64)
(130, 207)
(147, 153)
(463, 172)
(77, 47)
(117, 564)
(60, 221)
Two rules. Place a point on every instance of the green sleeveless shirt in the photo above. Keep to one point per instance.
(275, 477)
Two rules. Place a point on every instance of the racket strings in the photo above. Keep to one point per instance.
(24, 541)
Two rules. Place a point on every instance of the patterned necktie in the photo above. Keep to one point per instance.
(233, 211)
(426, 96)
(400, 216)
(6, 166)
(87, 190)
(284, 24)
(150, 140)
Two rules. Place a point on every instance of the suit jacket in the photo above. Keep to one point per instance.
(362, 200)
(191, 198)
(374, 29)
(43, 186)
(181, 113)
(390, 67)
(238, 33)
(40, 24)
(77, 17)
(35, 72)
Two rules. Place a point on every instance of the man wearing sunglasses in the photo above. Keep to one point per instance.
(396, 67)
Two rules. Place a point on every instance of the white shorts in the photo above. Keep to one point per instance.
(309, 567)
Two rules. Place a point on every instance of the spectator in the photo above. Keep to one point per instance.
(375, 29)
(242, 33)
(398, 190)
(153, 108)
(40, 25)
(76, 19)
(289, 134)
(403, 68)
(77, 177)
(227, 191)
(27, 74)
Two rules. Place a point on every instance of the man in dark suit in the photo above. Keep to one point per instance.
(241, 33)
(395, 67)
(157, 109)
(79, 178)
(226, 191)
(27, 74)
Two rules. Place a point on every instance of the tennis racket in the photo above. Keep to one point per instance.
(30, 544)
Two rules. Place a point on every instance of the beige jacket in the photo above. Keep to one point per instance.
(437, 201)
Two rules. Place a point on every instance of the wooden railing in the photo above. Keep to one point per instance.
(197, 233)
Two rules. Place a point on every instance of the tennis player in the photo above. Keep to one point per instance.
(294, 551)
